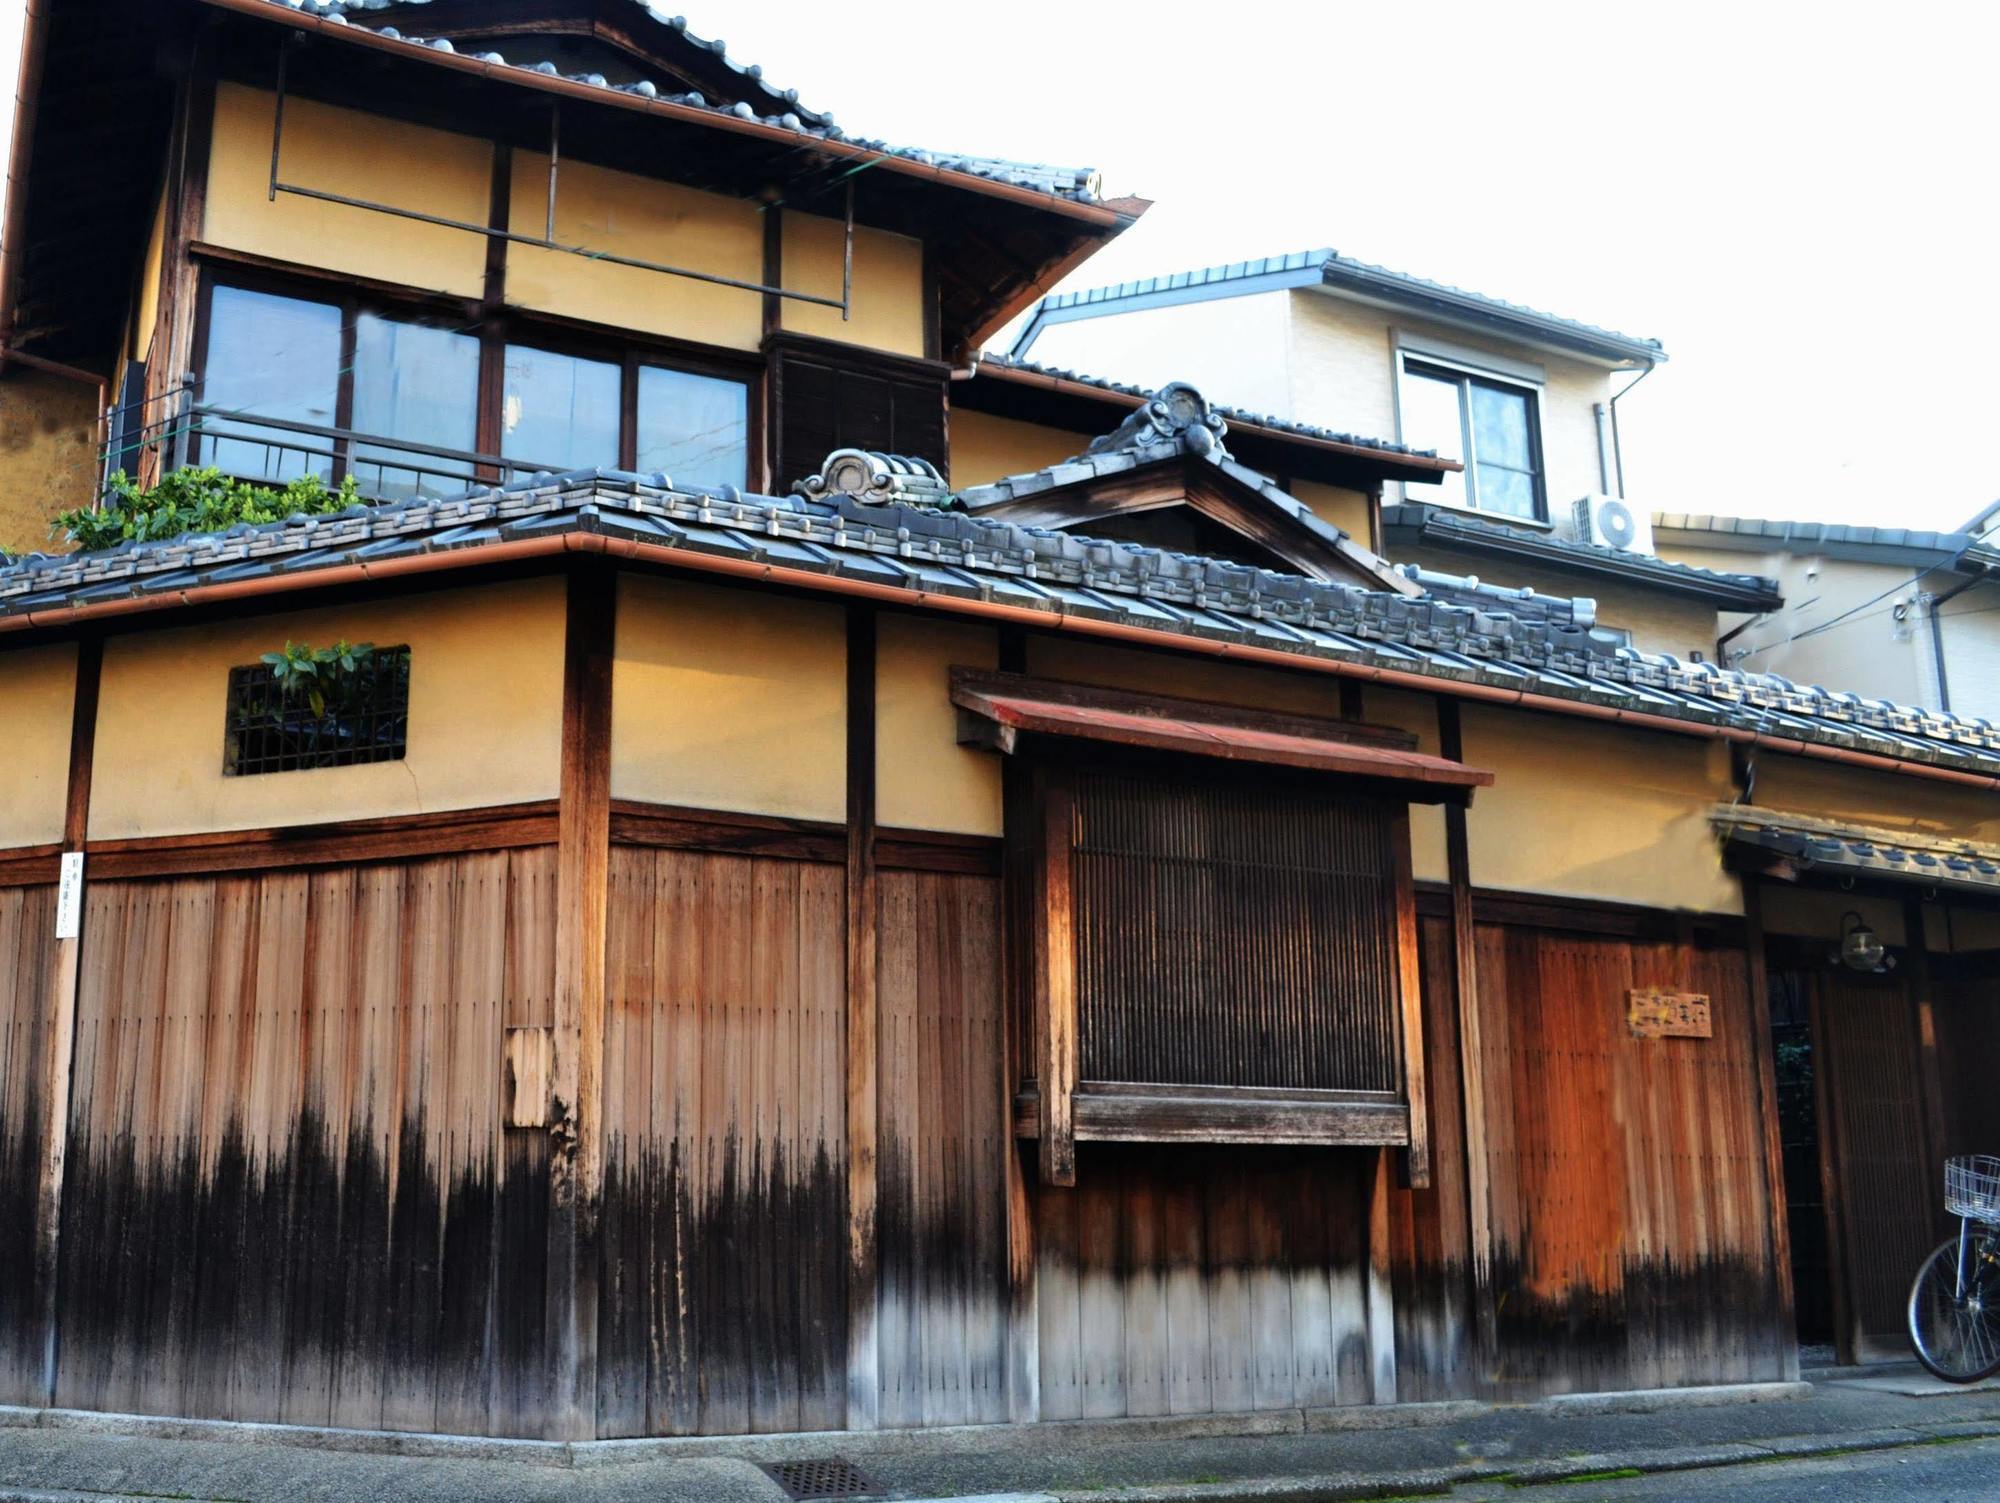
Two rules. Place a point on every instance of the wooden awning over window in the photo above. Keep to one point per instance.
(996, 710)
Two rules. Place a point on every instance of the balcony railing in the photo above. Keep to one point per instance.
(274, 451)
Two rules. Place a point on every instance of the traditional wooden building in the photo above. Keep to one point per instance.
(767, 939)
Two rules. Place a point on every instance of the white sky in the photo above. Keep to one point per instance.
(1797, 200)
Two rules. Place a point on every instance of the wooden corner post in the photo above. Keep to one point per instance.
(1053, 958)
(864, 1388)
(1416, 1166)
(1471, 1043)
(1758, 979)
(59, 1040)
(576, 1118)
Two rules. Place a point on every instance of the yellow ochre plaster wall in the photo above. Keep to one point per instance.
(888, 305)
(37, 695)
(362, 156)
(626, 215)
(48, 455)
(986, 448)
(1886, 800)
(924, 779)
(485, 725)
(1593, 811)
(729, 699)
(1350, 511)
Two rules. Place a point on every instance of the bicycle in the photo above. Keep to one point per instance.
(1955, 1302)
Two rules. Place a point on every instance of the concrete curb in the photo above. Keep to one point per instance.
(861, 1444)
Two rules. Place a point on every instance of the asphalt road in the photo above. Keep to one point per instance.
(1961, 1473)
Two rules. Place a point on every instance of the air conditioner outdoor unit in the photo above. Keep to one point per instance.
(1612, 522)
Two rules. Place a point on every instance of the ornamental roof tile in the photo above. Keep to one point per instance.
(1900, 856)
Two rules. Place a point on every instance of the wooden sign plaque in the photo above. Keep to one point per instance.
(1656, 1014)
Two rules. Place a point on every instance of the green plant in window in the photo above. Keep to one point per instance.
(196, 499)
(315, 672)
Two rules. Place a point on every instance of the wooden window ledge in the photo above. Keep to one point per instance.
(1112, 1112)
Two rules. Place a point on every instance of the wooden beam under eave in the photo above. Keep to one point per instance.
(576, 1114)
(1471, 1044)
(864, 1357)
(59, 1041)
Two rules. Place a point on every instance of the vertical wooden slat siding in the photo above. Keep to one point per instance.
(862, 945)
(1192, 1281)
(1630, 1196)
(27, 977)
(59, 1038)
(283, 1199)
(723, 1295)
(583, 852)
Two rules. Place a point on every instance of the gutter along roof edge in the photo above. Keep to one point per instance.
(1098, 212)
(586, 534)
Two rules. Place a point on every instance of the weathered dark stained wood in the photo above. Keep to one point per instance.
(1190, 1279)
(1472, 1053)
(1887, 1188)
(287, 1195)
(831, 396)
(1053, 955)
(404, 836)
(1585, 916)
(576, 1129)
(1759, 982)
(1117, 1112)
(863, 949)
(173, 341)
(59, 1040)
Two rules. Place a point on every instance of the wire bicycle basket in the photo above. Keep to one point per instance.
(1972, 1187)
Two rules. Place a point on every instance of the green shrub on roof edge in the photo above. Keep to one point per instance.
(195, 500)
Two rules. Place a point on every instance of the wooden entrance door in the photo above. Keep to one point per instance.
(1882, 1185)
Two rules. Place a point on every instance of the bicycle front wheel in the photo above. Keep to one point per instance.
(1954, 1322)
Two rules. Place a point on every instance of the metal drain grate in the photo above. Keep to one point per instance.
(822, 1477)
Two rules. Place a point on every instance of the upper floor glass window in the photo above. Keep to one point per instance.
(413, 401)
(1491, 427)
(560, 411)
(694, 427)
(274, 357)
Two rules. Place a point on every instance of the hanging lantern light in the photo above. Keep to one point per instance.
(1860, 947)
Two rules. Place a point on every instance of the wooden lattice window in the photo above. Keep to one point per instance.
(362, 716)
(1233, 931)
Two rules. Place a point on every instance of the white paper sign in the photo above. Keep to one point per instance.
(69, 896)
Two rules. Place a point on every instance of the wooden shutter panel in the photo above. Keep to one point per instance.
(829, 399)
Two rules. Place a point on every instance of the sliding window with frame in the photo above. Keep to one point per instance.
(1492, 426)
(425, 397)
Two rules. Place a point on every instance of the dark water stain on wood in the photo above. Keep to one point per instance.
(722, 1305)
(294, 1286)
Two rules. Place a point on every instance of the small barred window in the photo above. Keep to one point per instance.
(341, 720)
